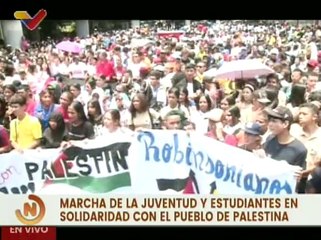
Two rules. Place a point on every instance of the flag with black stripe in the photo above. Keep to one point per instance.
(186, 185)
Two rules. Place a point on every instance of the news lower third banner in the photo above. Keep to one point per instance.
(98, 210)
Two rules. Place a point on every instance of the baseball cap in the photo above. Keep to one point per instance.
(280, 112)
(253, 128)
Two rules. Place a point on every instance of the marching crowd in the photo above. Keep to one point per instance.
(136, 79)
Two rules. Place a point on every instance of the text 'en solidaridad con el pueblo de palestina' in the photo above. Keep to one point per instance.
(176, 209)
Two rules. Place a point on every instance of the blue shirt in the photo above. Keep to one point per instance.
(43, 114)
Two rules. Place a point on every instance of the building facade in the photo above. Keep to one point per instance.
(11, 32)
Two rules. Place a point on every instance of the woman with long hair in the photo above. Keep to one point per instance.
(140, 115)
(112, 124)
(79, 127)
(246, 103)
(94, 92)
(65, 100)
(203, 106)
(185, 101)
(8, 91)
(95, 116)
(228, 102)
(233, 127)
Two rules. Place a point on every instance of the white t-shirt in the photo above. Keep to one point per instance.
(120, 133)
(91, 70)
(190, 88)
(201, 123)
(78, 70)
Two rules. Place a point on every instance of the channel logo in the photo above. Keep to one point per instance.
(31, 22)
(33, 211)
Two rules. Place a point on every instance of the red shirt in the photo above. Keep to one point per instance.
(4, 137)
(30, 108)
(211, 135)
(231, 140)
(105, 68)
(119, 71)
(64, 113)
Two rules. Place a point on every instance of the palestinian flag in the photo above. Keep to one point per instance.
(99, 170)
(186, 185)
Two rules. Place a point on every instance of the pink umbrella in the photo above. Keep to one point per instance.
(242, 69)
(68, 46)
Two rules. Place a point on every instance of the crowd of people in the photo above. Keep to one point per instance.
(120, 83)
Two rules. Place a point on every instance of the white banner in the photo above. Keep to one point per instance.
(25, 173)
(174, 162)
(155, 162)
